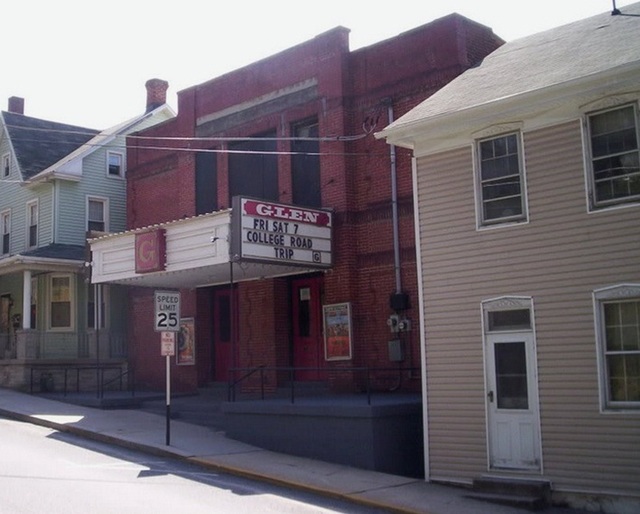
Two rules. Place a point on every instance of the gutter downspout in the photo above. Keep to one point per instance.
(394, 207)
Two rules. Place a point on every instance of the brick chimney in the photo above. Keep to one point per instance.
(156, 93)
(16, 105)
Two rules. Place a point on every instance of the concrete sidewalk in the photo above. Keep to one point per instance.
(204, 446)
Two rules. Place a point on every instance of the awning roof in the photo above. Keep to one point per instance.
(197, 255)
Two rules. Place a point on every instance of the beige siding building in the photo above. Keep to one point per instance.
(527, 186)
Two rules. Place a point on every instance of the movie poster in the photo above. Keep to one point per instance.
(337, 331)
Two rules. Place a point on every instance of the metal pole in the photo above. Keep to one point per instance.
(168, 437)
(232, 315)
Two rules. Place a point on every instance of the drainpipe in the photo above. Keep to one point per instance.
(394, 206)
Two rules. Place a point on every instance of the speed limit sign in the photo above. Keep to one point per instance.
(167, 311)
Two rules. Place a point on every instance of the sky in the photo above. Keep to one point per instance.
(85, 63)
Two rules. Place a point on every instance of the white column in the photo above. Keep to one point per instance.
(26, 299)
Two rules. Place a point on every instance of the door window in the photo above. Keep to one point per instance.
(511, 375)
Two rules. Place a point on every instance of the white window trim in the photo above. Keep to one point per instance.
(72, 300)
(593, 108)
(105, 203)
(617, 292)
(122, 165)
(6, 165)
(494, 133)
(28, 223)
(5, 214)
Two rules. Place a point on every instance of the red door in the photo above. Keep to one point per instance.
(223, 335)
(308, 349)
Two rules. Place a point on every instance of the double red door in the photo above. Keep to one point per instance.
(306, 324)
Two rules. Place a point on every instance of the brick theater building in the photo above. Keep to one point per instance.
(268, 201)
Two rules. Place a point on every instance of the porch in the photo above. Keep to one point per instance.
(28, 356)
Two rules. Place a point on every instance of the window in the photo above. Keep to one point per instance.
(615, 156)
(32, 224)
(305, 165)
(115, 166)
(500, 180)
(6, 165)
(5, 222)
(253, 168)
(97, 214)
(206, 182)
(60, 304)
(618, 334)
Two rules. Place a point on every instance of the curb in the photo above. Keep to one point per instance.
(198, 461)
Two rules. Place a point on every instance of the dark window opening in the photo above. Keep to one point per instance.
(511, 376)
(305, 165)
(304, 312)
(253, 168)
(517, 319)
(206, 183)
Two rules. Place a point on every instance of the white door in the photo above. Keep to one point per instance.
(512, 402)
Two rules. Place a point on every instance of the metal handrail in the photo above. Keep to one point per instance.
(231, 391)
(119, 378)
(292, 371)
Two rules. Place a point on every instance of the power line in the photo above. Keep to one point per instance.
(323, 139)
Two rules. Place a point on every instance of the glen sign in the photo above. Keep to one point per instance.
(281, 234)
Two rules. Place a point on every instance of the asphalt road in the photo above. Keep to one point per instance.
(42, 470)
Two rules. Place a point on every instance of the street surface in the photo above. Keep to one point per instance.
(42, 470)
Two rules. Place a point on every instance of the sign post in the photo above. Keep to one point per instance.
(167, 321)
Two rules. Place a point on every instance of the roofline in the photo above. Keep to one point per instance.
(96, 142)
(501, 110)
(19, 262)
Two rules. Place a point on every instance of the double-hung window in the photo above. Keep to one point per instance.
(500, 180)
(32, 224)
(618, 333)
(61, 302)
(614, 156)
(5, 226)
(115, 164)
(97, 214)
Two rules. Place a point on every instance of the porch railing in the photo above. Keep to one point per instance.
(74, 378)
(35, 344)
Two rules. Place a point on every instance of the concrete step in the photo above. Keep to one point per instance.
(513, 500)
(525, 493)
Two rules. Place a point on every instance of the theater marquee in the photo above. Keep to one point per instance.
(283, 234)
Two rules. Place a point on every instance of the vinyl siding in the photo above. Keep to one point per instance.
(72, 201)
(558, 258)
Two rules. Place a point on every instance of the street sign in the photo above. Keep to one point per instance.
(167, 311)
(167, 344)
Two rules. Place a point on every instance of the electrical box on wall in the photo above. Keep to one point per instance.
(395, 350)
(399, 301)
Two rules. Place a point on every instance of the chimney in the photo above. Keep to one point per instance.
(156, 93)
(16, 105)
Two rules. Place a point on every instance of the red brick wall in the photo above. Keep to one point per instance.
(145, 352)
(354, 93)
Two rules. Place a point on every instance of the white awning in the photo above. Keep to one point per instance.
(197, 255)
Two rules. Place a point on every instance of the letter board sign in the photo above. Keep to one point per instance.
(281, 234)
